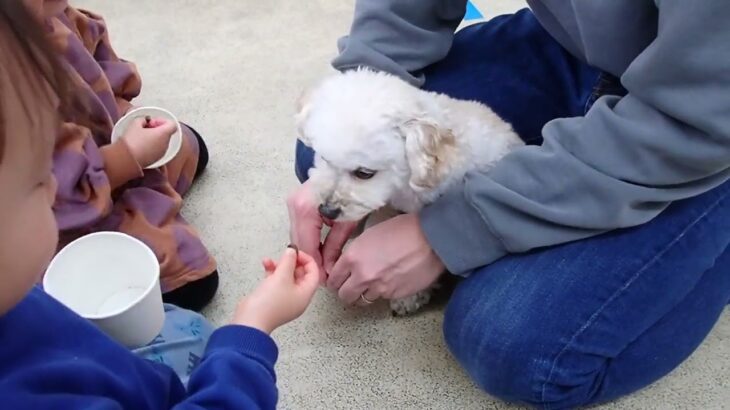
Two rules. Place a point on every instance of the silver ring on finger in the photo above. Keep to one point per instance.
(366, 300)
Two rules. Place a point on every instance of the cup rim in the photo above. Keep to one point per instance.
(90, 236)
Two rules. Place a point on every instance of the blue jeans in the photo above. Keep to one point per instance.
(591, 320)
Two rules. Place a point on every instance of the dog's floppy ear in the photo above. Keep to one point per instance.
(303, 108)
(430, 151)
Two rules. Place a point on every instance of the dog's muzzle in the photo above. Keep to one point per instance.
(330, 212)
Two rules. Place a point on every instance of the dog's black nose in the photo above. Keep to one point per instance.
(329, 212)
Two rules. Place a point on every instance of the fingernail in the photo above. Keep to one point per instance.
(292, 246)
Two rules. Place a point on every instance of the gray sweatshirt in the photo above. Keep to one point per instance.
(618, 166)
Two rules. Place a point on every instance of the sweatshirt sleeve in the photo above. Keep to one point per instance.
(619, 166)
(121, 75)
(86, 168)
(237, 372)
(400, 37)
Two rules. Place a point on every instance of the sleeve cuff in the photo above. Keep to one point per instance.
(245, 340)
(354, 55)
(119, 164)
(459, 234)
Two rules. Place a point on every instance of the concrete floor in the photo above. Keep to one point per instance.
(233, 69)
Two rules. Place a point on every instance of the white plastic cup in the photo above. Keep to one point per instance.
(113, 280)
(154, 112)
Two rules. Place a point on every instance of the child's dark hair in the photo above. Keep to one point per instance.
(28, 35)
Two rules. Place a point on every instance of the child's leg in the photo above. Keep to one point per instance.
(189, 163)
(181, 343)
(149, 210)
(203, 156)
(194, 295)
(181, 173)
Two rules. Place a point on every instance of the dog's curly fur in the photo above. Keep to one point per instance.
(417, 143)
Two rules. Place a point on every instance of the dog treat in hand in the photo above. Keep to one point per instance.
(296, 249)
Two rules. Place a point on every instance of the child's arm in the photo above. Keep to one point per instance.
(237, 371)
(87, 175)
(87, 167)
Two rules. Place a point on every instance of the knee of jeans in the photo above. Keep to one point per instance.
(496, 350)
(304, 160)
(501, 349)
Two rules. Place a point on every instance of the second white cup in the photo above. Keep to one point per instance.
(113, 280)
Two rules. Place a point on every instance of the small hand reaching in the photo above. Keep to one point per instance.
(283, 295)
(148, 139)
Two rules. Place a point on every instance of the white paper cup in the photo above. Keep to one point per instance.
(155, 112)
(113, 280)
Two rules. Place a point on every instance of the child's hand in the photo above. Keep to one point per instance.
(148, 141)
(283, 295)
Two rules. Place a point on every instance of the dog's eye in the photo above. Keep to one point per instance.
(363, 173)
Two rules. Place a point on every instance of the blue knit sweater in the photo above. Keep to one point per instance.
(50, 358)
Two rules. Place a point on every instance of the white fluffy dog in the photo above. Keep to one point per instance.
(381, 142)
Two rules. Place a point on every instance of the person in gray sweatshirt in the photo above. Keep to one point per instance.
(595, 259)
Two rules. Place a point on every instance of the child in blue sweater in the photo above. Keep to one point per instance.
(50, 357)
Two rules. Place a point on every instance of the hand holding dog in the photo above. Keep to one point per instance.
(391, 260)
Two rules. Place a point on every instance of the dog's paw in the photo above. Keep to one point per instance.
(410, 304)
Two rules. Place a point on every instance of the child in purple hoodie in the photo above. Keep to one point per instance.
(103, 185)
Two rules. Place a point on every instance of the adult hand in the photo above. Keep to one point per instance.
(305, 222)
(283, 295)
(148, 141)
(390, 260)
(306, 229)
(338, 235)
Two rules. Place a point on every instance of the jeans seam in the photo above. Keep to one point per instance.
(621, 290)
